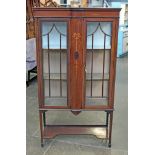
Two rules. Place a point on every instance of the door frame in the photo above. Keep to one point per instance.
(113, 52)
(39, 54)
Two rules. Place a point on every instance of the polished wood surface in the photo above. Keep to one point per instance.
(51, 131)
(76, 76)
(76, 67)
(77, 46)
(76, 12)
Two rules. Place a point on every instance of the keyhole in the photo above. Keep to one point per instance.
(76, 55)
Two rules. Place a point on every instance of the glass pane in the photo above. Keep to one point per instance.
(54, 29)
(98, 62)
(98, 30)
(54, 48)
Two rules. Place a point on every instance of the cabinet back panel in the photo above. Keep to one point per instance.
(55, 62)
(97, 61)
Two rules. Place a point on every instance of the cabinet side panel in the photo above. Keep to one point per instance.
(39, 62)
(113, 62)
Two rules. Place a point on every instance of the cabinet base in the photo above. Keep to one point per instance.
(50, 131)
(100, 131)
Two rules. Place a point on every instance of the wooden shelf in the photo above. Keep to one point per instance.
(97, 76)
(51, 131)
(65, 50)
(55, 101)
(62, 101)
(98, 49)
(54, 50)
(56, 76)
(96, 101)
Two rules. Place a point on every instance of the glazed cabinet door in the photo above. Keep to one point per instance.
(76, 62)
(98, 48)
(54, 58)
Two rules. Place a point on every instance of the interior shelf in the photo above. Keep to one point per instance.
(56, 101)
(55, 50)
(96, 101)
(65, 50)
(95, 76)
(55, 76)
(98, 49)
(62, 101)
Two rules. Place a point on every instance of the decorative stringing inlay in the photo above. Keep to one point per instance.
(76, 36)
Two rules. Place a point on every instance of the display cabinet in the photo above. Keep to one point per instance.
(76, 61)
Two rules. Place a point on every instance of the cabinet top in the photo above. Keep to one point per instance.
(77, 9)
(75, 12)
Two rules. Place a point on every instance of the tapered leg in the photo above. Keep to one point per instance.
(110, 128)
(107, 118)
(107, 124)
(41, 127)
(44, 118)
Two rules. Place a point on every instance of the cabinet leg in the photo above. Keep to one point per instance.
(110, 128)
(109, 145)
(107, 124)
(107, 118)
(44, 118)
(42, 144)
(41, 127)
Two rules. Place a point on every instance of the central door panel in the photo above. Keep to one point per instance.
(76, 67)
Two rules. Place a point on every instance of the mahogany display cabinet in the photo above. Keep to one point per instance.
(76, 65)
